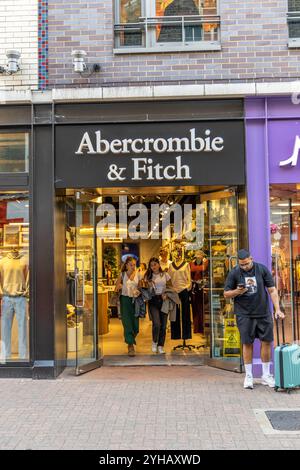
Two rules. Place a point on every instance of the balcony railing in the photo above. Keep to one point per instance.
(157, 31)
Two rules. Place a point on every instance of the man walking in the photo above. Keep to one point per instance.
(248, 284)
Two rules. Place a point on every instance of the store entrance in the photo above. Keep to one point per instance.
(106, 225)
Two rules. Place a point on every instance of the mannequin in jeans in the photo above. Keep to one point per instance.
(14, 287)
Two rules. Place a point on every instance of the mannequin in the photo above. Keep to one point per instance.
(14, 282)
(164, 259)
(199, 267)
(180, 274)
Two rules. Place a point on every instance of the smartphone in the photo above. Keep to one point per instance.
(241, 286)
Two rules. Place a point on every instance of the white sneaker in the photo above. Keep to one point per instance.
(268, 380)
(248, 382)
(154, 347)
(161, 350)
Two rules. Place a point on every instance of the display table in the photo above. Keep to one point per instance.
(102, 308)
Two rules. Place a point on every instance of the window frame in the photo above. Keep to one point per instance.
(148, 9)
(293, 42)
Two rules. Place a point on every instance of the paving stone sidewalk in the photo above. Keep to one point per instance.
(140, 408)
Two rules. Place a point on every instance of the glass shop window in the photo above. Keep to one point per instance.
(14, 277)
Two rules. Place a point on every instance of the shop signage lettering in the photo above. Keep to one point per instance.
(293, 160)
(145, 168)
(159, 145)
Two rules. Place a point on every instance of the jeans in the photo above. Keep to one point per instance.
(10, 307)
(159, 320)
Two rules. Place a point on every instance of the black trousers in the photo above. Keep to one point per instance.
(159, 320)
(197, 300)
(183, 318)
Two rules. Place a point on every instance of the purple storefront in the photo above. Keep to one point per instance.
(273, 182)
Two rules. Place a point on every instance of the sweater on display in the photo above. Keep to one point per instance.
(14, 275)
(180, 276)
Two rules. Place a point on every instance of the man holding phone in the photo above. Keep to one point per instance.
(249, 284)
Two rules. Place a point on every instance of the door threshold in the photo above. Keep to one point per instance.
(155, 360)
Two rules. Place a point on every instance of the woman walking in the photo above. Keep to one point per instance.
(128, 281)
(159, 280)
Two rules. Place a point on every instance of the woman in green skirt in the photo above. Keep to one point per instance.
(128, 282)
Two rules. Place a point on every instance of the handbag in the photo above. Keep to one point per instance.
(115, 299)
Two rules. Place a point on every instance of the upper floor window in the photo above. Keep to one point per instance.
(293, 18)
(14, 152)
(166, 25)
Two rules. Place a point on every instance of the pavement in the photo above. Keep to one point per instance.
(126, 408)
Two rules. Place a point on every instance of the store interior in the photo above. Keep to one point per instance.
(97, 260)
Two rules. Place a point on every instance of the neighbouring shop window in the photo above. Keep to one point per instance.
(293, 18)
(285, 239)
(166, 22)
(14, 276)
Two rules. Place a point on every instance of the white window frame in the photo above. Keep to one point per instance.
(293, 42)
(148, 8)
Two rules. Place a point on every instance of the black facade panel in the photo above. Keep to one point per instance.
(43, 244)
(79, 165)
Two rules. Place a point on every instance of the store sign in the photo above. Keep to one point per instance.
(150, 153)
(143, 168)
(293, 159)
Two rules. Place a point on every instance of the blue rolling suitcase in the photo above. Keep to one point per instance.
(286, 363)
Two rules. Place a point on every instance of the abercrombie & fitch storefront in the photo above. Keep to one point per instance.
(83, 186)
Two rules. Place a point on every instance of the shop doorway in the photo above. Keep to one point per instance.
(209, 223)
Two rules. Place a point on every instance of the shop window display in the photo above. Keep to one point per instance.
(14, 277)
(285, 240)
(223, 243)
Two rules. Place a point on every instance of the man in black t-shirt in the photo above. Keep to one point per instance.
(248, 284)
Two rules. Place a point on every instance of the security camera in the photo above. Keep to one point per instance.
(13, 58)
(79, 61)
(12, 63)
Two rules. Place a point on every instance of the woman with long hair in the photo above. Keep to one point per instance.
(159, 280)
(128, 282)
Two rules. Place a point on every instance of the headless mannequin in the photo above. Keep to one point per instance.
(180, 274)
(14, 287)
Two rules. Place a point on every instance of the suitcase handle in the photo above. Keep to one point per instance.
(277, 331)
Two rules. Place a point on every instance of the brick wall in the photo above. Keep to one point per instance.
(19, 30)
(254, 37)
